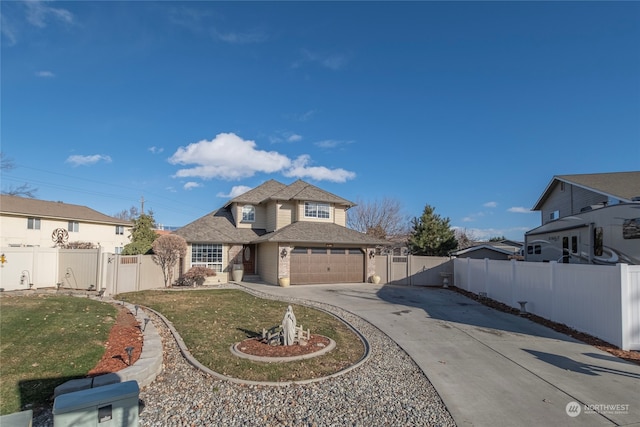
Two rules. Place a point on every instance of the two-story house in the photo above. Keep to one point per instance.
(276, 231)
(588, 218)
(40, 223)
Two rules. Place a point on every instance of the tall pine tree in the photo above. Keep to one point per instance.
(431, 235)
(142, 235)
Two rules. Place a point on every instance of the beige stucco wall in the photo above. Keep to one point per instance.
(14, 232)
(267, 265)
(286, 214)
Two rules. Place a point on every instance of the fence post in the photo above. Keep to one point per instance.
(486, 276)
(626, 325)
(514, 286)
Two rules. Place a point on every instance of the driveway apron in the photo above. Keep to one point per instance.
(491, 368)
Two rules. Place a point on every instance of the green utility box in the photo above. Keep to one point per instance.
(108, 406)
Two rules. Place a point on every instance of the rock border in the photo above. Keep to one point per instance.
(144, 370)
(277, 359)
(196, 364)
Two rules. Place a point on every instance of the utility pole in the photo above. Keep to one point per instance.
(141, 205)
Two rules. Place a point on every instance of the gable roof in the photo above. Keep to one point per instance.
(217, 226)
(318, 232)
(623, 186)
(298, 190)
(507, 247)
(23, 206)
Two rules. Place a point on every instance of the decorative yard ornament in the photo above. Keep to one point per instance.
(289, 327)
(60, 236)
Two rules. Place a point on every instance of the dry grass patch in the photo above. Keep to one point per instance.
(211, 321)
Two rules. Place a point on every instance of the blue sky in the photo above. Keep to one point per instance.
(470, 107)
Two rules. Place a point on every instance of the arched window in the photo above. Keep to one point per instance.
(248, 213)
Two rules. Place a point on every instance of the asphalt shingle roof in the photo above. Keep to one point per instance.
(318, 232)
(15, 205)
(217, 226)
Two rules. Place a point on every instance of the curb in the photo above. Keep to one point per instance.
(144, 370)
(195, 363)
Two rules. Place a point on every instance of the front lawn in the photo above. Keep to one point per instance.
(211, 321)
(46, 341)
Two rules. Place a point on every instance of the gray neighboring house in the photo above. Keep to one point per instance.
(295, 232)
(500, 250)
(588, 218)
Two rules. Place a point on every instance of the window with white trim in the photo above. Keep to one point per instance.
(207, 255)
(33, 223)
(248, 213)
(120, 229)
(74, 227)
(317, 210)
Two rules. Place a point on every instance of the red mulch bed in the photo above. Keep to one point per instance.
(124, 333)
(256, 347)
(629, 356)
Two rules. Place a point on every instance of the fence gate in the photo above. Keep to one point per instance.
(127, 273)
(399, 270)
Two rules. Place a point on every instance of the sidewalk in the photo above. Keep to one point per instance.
(491, 368)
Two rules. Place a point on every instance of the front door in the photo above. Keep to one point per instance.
(249, 259)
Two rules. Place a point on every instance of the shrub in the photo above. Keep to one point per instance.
(195, 276)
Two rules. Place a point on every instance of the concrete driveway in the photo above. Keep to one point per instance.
(489, 367)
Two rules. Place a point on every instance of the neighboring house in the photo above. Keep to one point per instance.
(500, 250)
(276, 231)
(590, 218)
(33, 222)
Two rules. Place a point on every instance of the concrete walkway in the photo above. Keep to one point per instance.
(489, 367)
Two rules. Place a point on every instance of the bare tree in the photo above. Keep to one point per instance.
(128, 215)
(167, 251)
(24, 190)
(465, 238)
(382, 219)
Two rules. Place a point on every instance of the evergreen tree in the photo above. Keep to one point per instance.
(142, 235)
(431, 235)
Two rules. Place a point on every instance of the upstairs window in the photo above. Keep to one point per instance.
(554, 215)
(33, 223)
(248, 213)
(316, 210)
(74, 226)
(120, 229)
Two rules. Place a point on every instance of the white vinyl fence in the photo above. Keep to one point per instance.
(603, 301)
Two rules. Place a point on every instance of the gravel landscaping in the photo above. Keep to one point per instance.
(389, 389)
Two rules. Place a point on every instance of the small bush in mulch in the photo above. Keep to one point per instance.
(195, 276)
(629, 356)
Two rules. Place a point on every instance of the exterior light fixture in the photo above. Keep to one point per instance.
(146, 320)
(129, 351)
(372, 254)
(283, 253)
(136, 307)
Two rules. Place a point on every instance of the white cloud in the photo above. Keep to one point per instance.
(331, 143)
(519, 209)
(191, 184)
(235, 191)
(301, 169)
(80, 160)
(332, 61)
(294, 138)
(46, 74)
(230, 157)
(255, 36)
(227, 156)
(155, 150)
(285, 137)
(39, 12)
(7, 31)
(490, 205)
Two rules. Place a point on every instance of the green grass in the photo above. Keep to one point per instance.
(211, 321)
(45, 341)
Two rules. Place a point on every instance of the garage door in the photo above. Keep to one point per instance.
(326, 265)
